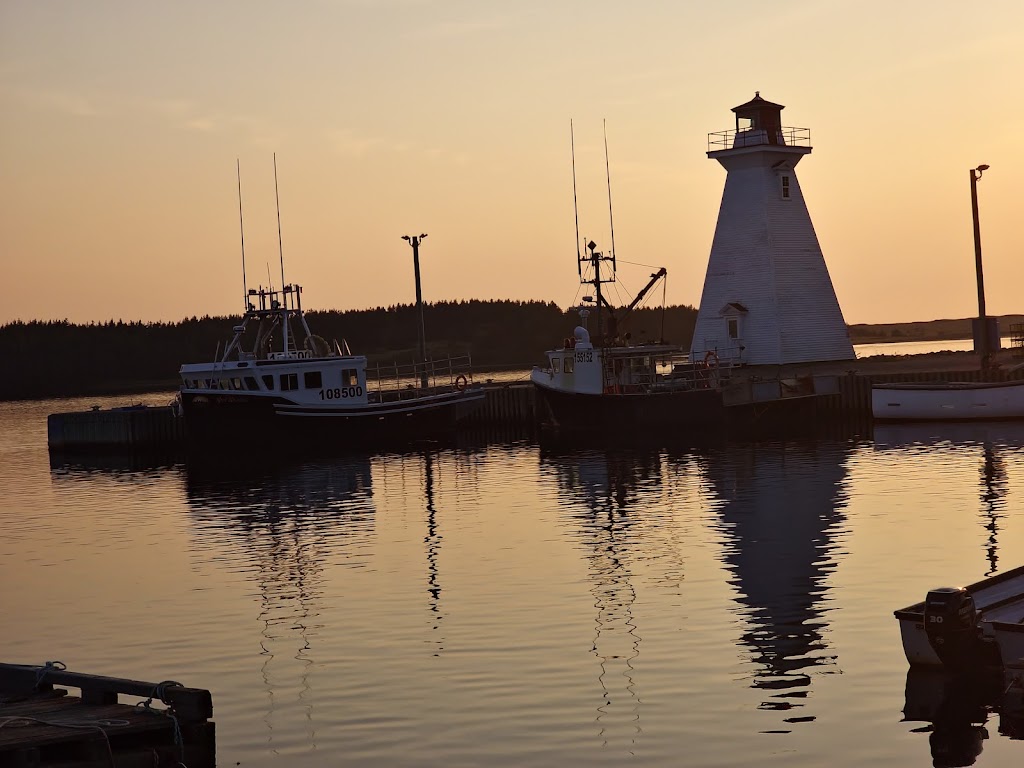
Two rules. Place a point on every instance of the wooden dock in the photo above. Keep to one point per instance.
(41, 725)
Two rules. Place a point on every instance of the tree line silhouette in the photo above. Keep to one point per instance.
(59, 358)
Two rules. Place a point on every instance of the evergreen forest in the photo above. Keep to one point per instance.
(59, 358)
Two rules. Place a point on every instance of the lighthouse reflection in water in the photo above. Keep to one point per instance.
(778, 512)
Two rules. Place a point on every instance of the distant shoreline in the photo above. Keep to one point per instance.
(926, 330)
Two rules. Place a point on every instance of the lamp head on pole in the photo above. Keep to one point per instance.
(976, 172)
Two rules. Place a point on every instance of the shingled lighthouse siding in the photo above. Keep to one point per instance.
(768, 298)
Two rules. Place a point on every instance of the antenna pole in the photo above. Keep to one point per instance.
(241, 232)
(575, 206)
(608, 174)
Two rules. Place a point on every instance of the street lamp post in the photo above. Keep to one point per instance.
(982, 319)
(415, 241)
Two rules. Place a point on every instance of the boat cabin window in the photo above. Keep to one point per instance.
(312, 380)
(349, 377)
(734, 328)
(785, 187)
(568, 363)
(250, 384)
(289, 381)
(556, 364)
(268, 382)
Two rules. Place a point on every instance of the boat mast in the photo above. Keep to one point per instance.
(241, 232)
(608, 175)
(575, 206)
(280, 250)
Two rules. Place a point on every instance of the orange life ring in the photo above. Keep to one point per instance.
(711, 355)
(461, 382)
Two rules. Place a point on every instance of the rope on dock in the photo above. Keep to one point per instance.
(159, 692)
(60, 666)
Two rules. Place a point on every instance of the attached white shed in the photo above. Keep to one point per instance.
(768, 298)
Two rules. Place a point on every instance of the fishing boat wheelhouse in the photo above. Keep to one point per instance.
(277, 378)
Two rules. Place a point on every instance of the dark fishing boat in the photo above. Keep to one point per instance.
(605, 382)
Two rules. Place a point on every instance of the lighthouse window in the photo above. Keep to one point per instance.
(289, 381)
(312, 380)
(734, 328)
(785, 187)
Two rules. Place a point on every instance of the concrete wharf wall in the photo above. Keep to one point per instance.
(510, 405)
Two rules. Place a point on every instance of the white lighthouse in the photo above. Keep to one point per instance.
(768, 298)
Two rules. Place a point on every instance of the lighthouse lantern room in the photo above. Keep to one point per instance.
(768, 298)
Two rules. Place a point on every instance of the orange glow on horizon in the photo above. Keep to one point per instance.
(123, 123)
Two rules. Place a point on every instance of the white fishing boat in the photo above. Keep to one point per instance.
(961, 628)
(948, 401)
(277, 378)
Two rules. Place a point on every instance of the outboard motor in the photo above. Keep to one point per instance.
(951, 623)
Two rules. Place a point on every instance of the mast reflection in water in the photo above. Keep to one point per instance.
(782, 511)
(605, 493)
(286, 522)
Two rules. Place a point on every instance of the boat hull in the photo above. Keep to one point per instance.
(948, 401)
(211, 418)
(634, 413)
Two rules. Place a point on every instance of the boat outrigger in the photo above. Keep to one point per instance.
(276, 378)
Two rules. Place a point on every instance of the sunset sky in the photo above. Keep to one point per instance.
(122, 122)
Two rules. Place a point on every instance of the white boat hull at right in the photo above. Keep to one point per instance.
(948, 401)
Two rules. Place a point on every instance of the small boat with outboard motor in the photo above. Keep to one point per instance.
(963, 628)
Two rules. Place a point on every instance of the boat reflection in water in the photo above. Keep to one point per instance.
(782, 510)
(285, 522)
(604, 492)
(957, 711)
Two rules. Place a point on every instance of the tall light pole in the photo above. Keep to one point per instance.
(415, 241)
(982, 319)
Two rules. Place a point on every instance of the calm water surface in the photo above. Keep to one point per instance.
(520, 604)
